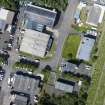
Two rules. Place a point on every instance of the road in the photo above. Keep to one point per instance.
(63, 31)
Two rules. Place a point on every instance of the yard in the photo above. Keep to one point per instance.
(97, 90)
(70, 47)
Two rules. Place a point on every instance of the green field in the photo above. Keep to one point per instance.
(97, 90)
(70, 47)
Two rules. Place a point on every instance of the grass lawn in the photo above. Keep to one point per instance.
(70, 47)
(97, 90)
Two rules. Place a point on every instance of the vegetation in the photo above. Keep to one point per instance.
(4, 58)
(58, 4)
(71, 46)
(9, 4)
(83, 15)
(97, 90)
(67, 98)
(26, 65)
(82, 28)
(14, 4)
(46, 72)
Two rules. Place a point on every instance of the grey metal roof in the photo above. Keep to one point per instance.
(20, 100)
(67, 66)
(26, 83)
(82, 69)
(40, 15)
(65, 85)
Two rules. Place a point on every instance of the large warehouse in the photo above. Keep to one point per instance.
(36, 17)
(34, 43)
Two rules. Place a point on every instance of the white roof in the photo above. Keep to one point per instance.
(6, 15)
(64, 87)
(34, 42)
(3, 13)
(95, 15)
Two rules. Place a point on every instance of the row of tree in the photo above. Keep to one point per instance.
(27, 66)
(14, 4)
(58, 4)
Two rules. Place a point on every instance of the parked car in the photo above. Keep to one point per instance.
(2, 74)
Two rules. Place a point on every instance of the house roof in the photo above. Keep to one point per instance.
(40, 15)
(34, 43)
(65, 85)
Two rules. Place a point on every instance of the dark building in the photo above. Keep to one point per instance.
(24, 87)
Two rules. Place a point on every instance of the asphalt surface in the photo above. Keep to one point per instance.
(63, 31)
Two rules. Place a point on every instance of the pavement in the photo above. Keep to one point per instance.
(63, 30)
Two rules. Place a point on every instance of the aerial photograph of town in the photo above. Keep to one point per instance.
(52, 52)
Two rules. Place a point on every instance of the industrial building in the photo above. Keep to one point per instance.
(37, 18)
(6, 18)
(81, 69)
(24, 87)
(35, 43)
(86, 45)
(65, 85)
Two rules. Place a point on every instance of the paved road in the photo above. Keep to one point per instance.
(63, 31)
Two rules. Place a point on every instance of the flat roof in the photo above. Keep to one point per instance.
(40, 15)
(26, 83)
(6, 15)
(34, 43)
(20, 100)
(81, 69)
(94, 15)
(2, 25)
(65, 85)
(85, 48)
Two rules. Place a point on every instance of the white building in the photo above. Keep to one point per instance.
(34, 43)
(6, 18)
